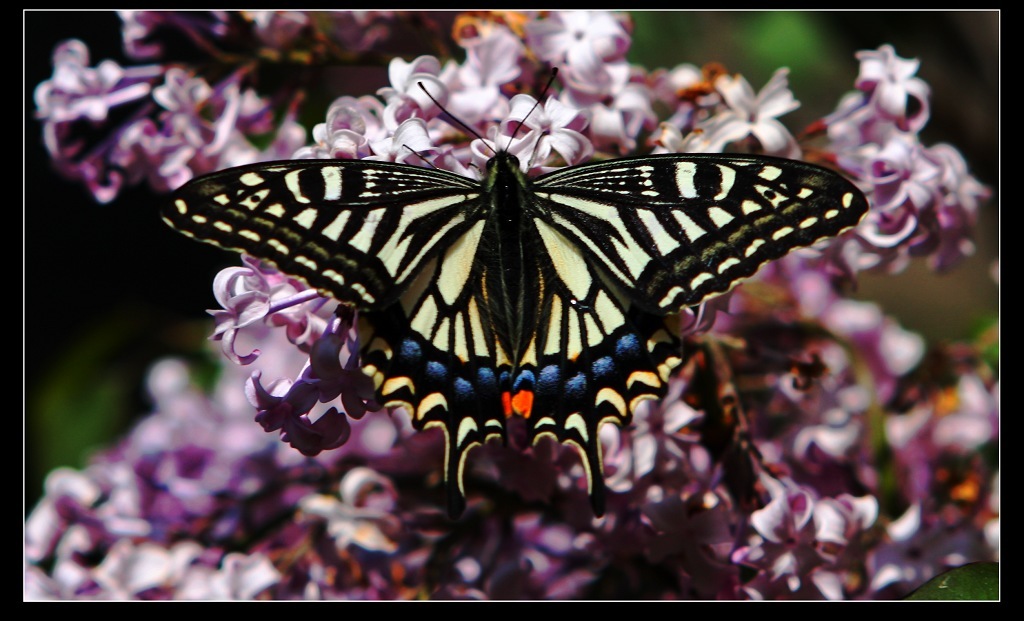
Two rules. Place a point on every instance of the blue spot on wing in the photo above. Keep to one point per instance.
(410, 350)
(628, 346)
(576, 387)
(604, 367)
(437, 372)
(487, 380)
(524, 381)
(464, 390)
(550, 379)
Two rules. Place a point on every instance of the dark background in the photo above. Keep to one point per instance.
(108, 288)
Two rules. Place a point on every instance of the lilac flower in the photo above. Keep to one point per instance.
(591, 45)
(475, 86)
(68, 495)
(278, 29)
(890, 350)
(667, 139)
(841, 520)
(405, 98)
(749, 115)
(937, 434)
(889, 81)
(352, 124)
(799, 538)
(168, 136)
(552, 126)
(662, 451)
(974, 423)
(183, 99)
(591, 48)
(131, 570)
(615, 126)
(683, 90)
(359, 30)
(890, 101)
(287, 405)
(454, 158)
(899, 177)
(239, 576)
(785, 546)
(137, 26)
(840, 432)
(363, 515)
(698, 532)
(252, 294)
(926, 201)
(286, 410)
(78, 93)
(903, 182)
(529, 559)
(410, 144)
(149, 490)
(953, 217)
(578, 37)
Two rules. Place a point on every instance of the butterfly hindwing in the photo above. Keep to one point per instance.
(595, 358)
(439, 358)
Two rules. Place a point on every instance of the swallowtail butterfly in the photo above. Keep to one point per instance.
(554, 298)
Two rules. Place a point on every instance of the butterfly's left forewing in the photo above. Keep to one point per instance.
(357, 230)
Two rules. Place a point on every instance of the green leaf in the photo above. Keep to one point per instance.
(976, 581)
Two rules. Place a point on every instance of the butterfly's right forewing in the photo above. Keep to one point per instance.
(677, 229)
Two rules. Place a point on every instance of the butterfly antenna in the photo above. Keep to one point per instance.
(452, 118)
(421, 156)
(543, 92)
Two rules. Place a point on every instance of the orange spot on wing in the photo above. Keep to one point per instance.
(506, 402)
(522, 403)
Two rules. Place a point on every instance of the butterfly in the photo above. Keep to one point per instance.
(555, 298)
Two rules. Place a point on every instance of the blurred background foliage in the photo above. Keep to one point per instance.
(108, 289)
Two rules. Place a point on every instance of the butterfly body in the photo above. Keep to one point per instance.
(555, 298)
(506, 230)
